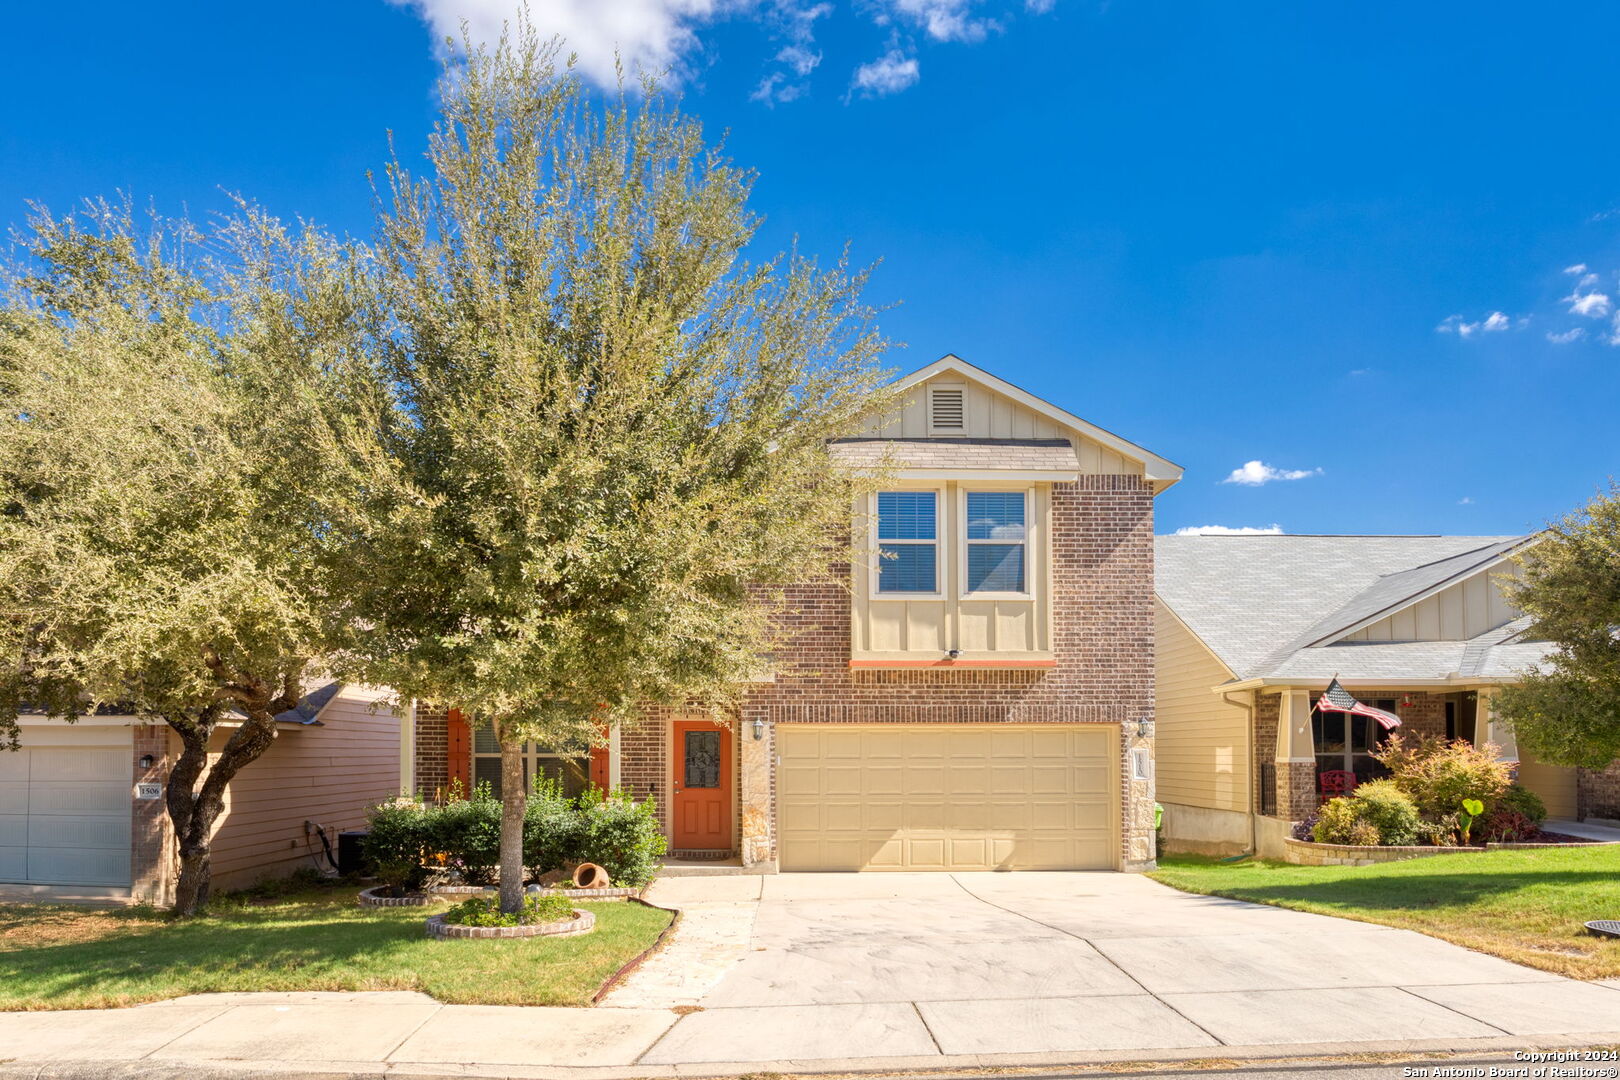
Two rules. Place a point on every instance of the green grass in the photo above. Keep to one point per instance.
(1525, 906)
(63, 957)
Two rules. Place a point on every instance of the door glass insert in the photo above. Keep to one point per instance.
(702, 767)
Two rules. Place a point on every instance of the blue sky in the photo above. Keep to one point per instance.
(1333, 239)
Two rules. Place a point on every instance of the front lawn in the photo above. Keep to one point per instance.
(1525, 906)
(63, 957)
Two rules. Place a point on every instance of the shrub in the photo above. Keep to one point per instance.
(1439, 831)
(1439, 775)
(1522, 800)
(621, 835)
(486, 911)
(397, 844)
(553, 830)
(1336, 821)
(1389, 810)
(1506, 826)
(468, 833)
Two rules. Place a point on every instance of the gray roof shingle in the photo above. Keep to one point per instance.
(1260, 601)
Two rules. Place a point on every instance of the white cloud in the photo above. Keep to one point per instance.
(1593, 304)
(1493, 323)
(1578, 268)
(1230, 530)
(1566, 337)
(650, 35)
(1255, 473)
(945, 20)
(1466, 500)
(888, 74)
(1039, 7)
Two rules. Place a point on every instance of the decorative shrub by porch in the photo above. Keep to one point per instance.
(1378, 813)
(1439, 775)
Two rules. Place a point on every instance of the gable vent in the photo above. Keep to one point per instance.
(946, 410)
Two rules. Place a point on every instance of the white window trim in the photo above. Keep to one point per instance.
(532, 756)
(940, 564)
(962, 541)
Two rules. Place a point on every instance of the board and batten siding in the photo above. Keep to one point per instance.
(1201, 746)
(989, 415)
(1458, 612)
(328, 773)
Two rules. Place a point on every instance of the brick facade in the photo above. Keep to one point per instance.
(1600, 792)
(151, 838)
(432, 749)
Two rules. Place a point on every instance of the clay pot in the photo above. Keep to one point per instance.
(590, 876)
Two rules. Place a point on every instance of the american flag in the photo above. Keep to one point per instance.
(1337, 699)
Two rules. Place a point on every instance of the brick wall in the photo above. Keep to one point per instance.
(1266, 712)
(151, 839)
(1600, 792)
(432, 749)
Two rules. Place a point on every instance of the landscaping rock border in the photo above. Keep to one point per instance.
(593, 894)
(583, 922)
(369, 898)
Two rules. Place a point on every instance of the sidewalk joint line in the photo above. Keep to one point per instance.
(220, 1010)
(931, 1036)
(1448, 1008)
(388, 1055)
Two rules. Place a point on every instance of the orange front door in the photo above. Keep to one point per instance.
(701, 753)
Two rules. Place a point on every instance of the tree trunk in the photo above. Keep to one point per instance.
(514, 801)
(194, 808)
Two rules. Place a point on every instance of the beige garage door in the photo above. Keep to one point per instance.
(947, 797)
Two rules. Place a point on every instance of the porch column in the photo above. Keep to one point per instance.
(407, 748)
(1296, 756)
(614, 756)
(1488, 728)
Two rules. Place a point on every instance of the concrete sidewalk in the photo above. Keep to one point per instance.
(827, 973)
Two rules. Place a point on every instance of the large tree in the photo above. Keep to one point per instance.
(1568, 711)
(610, 433)
(173, 411)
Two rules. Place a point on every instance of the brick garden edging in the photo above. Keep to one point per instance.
(369, 898)
(583, 922)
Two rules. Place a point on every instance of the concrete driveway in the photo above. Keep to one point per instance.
(802, 967)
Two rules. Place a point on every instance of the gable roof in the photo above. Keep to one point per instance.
(1274, 606)
(1160, 472)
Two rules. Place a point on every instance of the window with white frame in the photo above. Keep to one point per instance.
(997, 541)
(568, 769)
(908, 542)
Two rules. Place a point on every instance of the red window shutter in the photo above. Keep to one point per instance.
(459, 750)
(599, 763)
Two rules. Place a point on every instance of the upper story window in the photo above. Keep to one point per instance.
(996, 542)
(908, 542)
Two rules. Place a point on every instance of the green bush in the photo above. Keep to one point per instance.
(468, 833)
(397, 846)
(1388, 809)
(486, 911)
(1439, 775)
(1336, 822)
(1521, 800)
(621, 836)
(553, 829)
(1441, 831)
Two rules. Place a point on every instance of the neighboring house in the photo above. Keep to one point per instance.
(979, 698)
(81, 810)
(1252, 628)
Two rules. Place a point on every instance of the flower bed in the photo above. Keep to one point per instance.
(1311, 853)
(583, 922)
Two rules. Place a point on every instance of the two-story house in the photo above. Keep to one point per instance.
(979, 697)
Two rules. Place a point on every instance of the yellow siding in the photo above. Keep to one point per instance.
(1455, 613)
(328, 774)
(1202, 742)
(989, 415)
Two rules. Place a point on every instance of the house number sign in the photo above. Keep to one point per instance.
(148, 791)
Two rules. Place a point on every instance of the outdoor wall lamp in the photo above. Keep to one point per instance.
(1144, 728)
(953, 654)
(759, 729)
(148, 761)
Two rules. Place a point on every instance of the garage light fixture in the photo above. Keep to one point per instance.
(1144, 728)
(148, 761)
(759, 729)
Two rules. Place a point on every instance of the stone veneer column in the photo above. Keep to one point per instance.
(152, 841)
(754, 760)
(1139, 790)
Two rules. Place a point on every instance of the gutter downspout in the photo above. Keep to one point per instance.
(1248, 739)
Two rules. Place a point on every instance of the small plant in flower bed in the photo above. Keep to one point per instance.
(1379, 813)
(486, 911)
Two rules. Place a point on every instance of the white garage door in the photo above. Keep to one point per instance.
(65, 810)
(948, 797)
